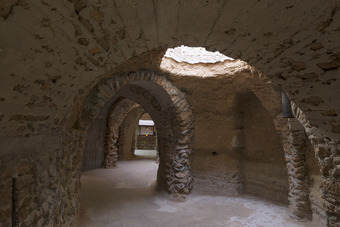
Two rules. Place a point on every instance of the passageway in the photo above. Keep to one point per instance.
(126, 196)
(76, 75)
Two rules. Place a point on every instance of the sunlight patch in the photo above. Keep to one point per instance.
(194, 55)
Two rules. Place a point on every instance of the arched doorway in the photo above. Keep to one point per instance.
(145, 137)
(168, 108)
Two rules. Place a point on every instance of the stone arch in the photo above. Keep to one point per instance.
(117, 114)
(168, 107)
(259, 148)
(328, 156)
(295, 154)
(295, 134)
(127, 131)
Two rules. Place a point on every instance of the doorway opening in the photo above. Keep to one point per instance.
(145, 138)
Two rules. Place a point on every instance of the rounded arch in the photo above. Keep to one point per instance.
(169, 109)
(127, 134)
(296, 134)
(116, 116)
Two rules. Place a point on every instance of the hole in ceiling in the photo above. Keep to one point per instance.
(194, 55)
(198, 62)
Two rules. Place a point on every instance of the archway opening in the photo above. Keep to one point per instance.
(260, 149)
(169, 110)
(255, 163)
(146, 138)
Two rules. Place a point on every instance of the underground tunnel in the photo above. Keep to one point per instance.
(78, 75)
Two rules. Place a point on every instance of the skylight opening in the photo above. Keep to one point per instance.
(195, 55)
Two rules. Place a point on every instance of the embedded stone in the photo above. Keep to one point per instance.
(335, 172)
(95, 50)
(316, 46)
(298, 65)
(313, 100)
(336, 128)
(79, 4)
(330, 113)
(86, 23)
(6, 7)
(330, 65)
(83, 41)
(97, 15)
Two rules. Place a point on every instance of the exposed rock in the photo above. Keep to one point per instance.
(308, 76)
(83, 41)
(322, 152)
(104, 43)
(95, 50)
(79, 4)
(6, 7)
(22, 117)
(97, 15)
(48, 64)
(86, 23)
(336, 128)
(45, 22)
(27, 168)
(313, 100)
(331, 113)
(20, 88)
(330, 65)
(297, 65)
(316, 46)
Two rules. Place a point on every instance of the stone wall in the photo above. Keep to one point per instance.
(127, 134)
(295, 154)
(315, 180)
(262, 156)
(326, 152)
(117, 114)
(33, 161)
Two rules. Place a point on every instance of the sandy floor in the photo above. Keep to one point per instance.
(125, 196)
(146, 153)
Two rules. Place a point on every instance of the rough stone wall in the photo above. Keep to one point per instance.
(102, 136)
(71, 44)
(295, 154)
(215, 163)
(93, 155)
(326, 152)
(315, 180)
(262, 160)
(217, 160)
(48, 172)
(117, 114)
(127, 134)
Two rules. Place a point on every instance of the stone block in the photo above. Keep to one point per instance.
(322, 151)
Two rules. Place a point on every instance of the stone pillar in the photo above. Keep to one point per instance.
(111, 151)
(294, 146)
(329, 161)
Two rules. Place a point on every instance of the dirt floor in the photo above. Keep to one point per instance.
(125, 196)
